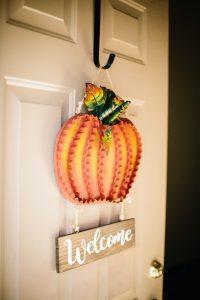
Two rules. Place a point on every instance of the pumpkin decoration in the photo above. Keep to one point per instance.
(97, 153)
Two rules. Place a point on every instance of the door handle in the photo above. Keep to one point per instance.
(156, 269)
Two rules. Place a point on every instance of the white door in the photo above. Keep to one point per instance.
(46, 58)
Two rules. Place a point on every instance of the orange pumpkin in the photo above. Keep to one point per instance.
(86, 171)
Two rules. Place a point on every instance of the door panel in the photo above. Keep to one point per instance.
(42, 77)
(120, 288)
(56, 18)
(125, 24)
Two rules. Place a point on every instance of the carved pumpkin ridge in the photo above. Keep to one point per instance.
(61, 173)
(127, 173)
(117, 171)
(71, 155)
(87, 154)
(101, 166)
(138, 157)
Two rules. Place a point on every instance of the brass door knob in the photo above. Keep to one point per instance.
(156, 269)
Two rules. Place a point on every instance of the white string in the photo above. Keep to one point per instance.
(110, 80)
(121, 215)
(97, 75)
(76, 220)
(79, 107)
(108, 76)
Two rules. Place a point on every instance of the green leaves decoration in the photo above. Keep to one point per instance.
(104, 104)
(114, 116)
(95, 97)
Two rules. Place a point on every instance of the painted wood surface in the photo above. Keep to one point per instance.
(101, 241)
(41, 78)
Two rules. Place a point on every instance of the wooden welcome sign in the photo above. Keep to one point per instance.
(84, 247)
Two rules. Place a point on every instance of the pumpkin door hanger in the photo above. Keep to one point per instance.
(97, 153)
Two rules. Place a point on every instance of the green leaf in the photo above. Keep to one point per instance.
(112, 118)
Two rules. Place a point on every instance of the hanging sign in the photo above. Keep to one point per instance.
(81, 248)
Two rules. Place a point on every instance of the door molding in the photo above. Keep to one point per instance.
(18, 91)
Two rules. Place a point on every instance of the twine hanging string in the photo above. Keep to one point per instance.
(97, 75)
(110, 80)
(108, 76)
(121, 214)
(76, 220)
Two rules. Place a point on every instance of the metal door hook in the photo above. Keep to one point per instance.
(97, 18)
